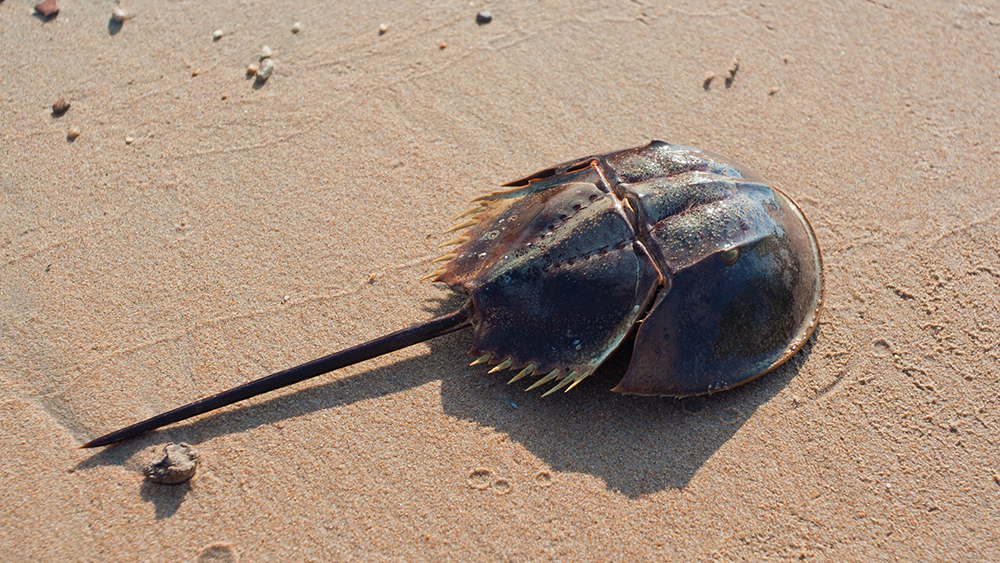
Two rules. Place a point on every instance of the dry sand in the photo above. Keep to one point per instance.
(249, 227)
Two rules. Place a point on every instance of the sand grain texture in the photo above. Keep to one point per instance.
(238, 232)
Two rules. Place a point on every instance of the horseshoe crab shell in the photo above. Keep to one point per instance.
(721, 273)
(718, 274)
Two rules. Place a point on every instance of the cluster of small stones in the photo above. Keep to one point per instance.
(262, 71)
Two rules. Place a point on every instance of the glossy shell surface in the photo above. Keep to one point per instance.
(719, 274)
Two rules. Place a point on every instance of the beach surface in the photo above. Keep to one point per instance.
(205, 228)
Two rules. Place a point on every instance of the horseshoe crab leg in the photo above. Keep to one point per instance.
(389, 343)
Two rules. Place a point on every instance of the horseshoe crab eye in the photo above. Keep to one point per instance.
(729, 257)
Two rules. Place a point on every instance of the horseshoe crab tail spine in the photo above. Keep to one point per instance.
(502, 365)
(464, 225)
(551, 375)
(473, 211)
(434, 274)
(562, 383)
(481, 360)
(579, 378)
(445, 258)
(528, 370)
(389, 343)
(454, 241)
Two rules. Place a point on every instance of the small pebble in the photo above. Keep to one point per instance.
(73, 133)
(129, 140)
(442, 45)
(484, 17)
(219, 552)
(296, 27)
(178, 464)
(194, 73)
(266, 68)
(382, 28)
(252, 68)
(60, 106)
(217, 34)
(265, 52)
(48, 8)
(734, 67)
(119, 15)
(772, 91)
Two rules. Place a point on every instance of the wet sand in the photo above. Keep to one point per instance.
(247, 227)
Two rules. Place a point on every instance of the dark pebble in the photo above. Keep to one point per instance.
(60, 107)
(484, 17)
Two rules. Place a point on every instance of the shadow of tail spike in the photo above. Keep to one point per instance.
(389, 343)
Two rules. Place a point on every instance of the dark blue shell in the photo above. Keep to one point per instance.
(719, 275)
(720, 272)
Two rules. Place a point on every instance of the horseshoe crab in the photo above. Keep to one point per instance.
(718, 275)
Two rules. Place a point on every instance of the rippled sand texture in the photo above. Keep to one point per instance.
(206, 228)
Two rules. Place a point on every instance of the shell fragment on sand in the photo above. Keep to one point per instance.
(177, 465)
(119, 15)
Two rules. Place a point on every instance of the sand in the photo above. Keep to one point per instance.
(251, 226)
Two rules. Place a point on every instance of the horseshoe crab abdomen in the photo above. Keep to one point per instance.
(557, 278)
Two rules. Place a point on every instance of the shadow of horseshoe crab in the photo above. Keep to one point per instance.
(636, 445)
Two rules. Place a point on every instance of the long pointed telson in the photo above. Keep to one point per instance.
(567, 262)
(389, 343)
